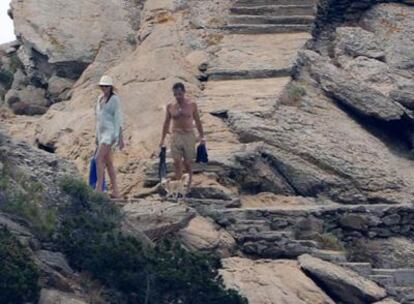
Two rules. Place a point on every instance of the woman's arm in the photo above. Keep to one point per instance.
(118, 121)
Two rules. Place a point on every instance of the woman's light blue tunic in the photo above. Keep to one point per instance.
(108, 120)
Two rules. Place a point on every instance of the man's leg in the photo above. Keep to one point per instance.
(178, 167)
(100, 165)
(189, 168)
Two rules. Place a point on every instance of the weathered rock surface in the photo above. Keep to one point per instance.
(204, 235)
(37, 166)
(394, 25)
(50, 296)
(387, 301)
(56, 260)
(155, 218)
(49, 28)
(393, 252)
(267, 281)
(350, 91)
(343, 284)
(355, 41)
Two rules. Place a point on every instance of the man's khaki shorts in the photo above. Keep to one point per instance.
(183, 145)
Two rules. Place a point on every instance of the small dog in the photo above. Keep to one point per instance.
(175, 189)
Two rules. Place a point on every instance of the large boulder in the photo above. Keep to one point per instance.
(343, 284)
(393, 24)
(67, 31)
(355, 41)
(58, 88)
(204, 235)
(267, 281)
(349, 90)
(319, 151)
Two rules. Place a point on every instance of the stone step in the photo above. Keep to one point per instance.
(404, 294)
(364, 269)
(266, 29)
(268, 236)
(275, 10)
(337, 257)
(151, 178)
(228, 74)
(206, 206)
(402, 276)
(386, 281)
(274, 2)
(263, 20)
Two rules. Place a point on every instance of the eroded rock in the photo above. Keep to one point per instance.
(155, 218)
(204, 235)
(267, 281)
(344, 284)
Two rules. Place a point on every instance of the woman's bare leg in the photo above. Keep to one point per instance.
(112, 174)
(101, 156)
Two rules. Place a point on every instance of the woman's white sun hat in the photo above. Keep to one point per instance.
(106, 81)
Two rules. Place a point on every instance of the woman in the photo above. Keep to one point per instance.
(108, 133)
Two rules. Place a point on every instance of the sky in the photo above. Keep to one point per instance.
(6, 24)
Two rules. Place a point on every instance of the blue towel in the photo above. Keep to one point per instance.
(202, 156)
(162, 166)
(93, 174)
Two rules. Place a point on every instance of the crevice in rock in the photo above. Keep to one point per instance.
(274, 165)
(48, 147)
(323, 286)
(395, 133)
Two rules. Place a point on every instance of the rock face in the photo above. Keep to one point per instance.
(393, 252)
(345, 285)
(266, 281)
(72, 34)
(143, 81)
(37, 166)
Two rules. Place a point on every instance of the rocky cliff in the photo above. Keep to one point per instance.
(307, 108)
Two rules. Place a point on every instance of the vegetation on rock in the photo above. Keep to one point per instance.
(22, 197)
(18, 274)
(167, 273)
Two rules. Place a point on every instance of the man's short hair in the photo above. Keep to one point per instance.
(178, 86)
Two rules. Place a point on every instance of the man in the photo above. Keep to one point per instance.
(183, 114)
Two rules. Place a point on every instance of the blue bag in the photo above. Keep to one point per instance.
(93, 174)
(202, 155)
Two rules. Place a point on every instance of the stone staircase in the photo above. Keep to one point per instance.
(251, 66)
(398, 282)
(271, 16)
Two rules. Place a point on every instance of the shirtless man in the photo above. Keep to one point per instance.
(183, 114)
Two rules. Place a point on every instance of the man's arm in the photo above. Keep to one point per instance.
(166, 126)
(197, 120)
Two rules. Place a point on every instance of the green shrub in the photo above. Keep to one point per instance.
(91, 239)
(25, 201)
(18, 274)
(292, 94)
(329, 241)
(6, 78)
(15, 63)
